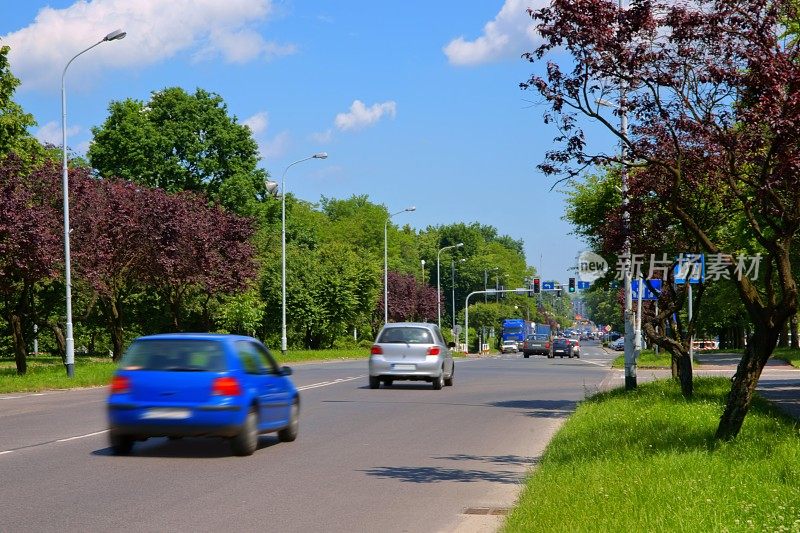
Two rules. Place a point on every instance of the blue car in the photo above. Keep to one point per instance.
(201, 385)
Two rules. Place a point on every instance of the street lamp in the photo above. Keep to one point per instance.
(70, 341)
(320, 155)
(453, 277)
(439, 281)
(423, 271)
(386, 262)
(630, 355)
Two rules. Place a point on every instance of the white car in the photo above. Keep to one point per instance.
(509, 346)
(618, 345)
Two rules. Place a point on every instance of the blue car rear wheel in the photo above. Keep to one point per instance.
(246, 442)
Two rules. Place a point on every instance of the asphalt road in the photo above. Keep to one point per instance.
(405, 458)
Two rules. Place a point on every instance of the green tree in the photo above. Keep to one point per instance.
(14, 121)
(178, 141)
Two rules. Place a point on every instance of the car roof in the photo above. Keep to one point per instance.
(409, 324)
(220, 337)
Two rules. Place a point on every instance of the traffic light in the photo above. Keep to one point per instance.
(571, 284)
(537, 288)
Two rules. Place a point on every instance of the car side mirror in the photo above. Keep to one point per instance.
(286, 371)
(451, 344)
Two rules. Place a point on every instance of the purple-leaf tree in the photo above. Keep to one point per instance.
(30, 242)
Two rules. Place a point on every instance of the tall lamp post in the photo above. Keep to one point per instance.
(70, 341)
(439, 281)
(453, 278)
(320, 155)
(386, 261)
(630, 349)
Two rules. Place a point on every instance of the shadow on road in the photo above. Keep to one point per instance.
(516, 460)
(541, 408)
(431, 474)
(189, 448)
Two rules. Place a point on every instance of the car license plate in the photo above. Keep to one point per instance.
(165, 414)
(404, 367)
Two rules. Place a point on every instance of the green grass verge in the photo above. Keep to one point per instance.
(47, 372)
(299, 356)
(646, 461)
(647, 359)
(787, 354)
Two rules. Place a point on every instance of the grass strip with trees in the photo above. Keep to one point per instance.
(46, 372)
(647, 461)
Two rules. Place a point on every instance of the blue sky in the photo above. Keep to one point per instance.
(416, 102)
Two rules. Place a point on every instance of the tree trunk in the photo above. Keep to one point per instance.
(793, 321)
(759, 347)
(92, 342)
(685, 375)
(674, 366)
(783, 338)
(61, 341)
(20, 348)
(115, 329)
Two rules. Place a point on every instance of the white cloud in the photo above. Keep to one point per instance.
(361, 116)
(323, 137)
(257, 123)
(51, 133)
(510, 34)
(275, 147)
(157, 30)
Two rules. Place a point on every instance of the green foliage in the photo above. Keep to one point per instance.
(178, 141)
(14, 121)
(241, 313)
(603, 306)
(590, 201)
(646, 460)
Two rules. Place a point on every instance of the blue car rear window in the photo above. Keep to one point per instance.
(406, 335)
(180, 355)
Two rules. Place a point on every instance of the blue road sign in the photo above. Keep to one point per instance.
(647, 294)
(548, 285)
(691, 268)
(584, 284)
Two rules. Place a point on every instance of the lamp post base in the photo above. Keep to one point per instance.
(70, 370)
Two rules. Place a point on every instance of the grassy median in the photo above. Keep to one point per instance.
(646, 461)
(47, 372)
(647, 359)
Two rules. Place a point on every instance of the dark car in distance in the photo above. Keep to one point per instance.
(200, 385)
(560, 347)
(536, 344)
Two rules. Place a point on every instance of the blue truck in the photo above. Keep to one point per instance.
(516, 329)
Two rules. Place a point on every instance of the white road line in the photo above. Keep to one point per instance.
(83, 436)
(326, 383)
(4, 452)
(593, 362)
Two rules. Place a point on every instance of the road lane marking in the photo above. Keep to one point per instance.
(83, 436)
(604, 363)
(326, 383)
(5, 452)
